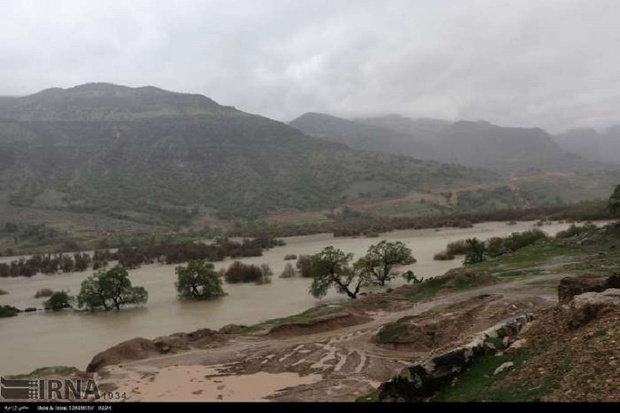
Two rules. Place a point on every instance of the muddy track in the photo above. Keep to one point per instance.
(345, 362)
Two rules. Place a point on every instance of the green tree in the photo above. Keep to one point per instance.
(380, 259)
(110, 289)
(59, 301)
(614, 201)
(331, 267)
(198, 281)
(475, 251)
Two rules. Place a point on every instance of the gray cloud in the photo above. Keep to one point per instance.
(549, 63)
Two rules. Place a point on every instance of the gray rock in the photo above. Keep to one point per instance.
(504, 366)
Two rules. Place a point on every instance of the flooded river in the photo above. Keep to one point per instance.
(34, 340)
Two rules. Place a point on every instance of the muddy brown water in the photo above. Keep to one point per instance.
(33, 340)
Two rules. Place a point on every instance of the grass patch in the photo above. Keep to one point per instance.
(393, 333)
(307, 317)
(427, 289)
(368, 397)
(454, 280)
(479, 384)
(600, 332)
(520, 273)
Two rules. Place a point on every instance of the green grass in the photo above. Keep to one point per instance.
(479, 384)
(393, 333)
(519, 273)
(306, 317)
(427, 289)
(600, 332)
(431, 286)
(368, 398)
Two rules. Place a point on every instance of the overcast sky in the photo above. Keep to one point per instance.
(548, 63)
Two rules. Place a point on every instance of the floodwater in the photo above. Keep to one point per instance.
(33, 340)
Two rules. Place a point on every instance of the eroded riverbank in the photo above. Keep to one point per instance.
(68, 338)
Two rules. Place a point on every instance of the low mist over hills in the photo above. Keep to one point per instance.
(604, 147)
(154, 156)
(479, 144)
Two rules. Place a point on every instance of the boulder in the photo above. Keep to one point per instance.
(502, 367)
(589, 306)
(571, 286)
(521, 343)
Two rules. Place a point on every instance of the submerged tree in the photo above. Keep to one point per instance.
(198, 281)
(289, 271)
(59, 301)
(110, 289)
(330, 268)
(380, 259)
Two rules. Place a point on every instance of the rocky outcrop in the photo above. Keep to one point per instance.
(589, 306)
(422, 380)
(572, 286)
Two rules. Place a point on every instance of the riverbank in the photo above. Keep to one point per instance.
(343, 351)
(164, 314)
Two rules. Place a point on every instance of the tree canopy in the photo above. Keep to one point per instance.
(475, 251)
(110, 289)
(380, 259)
(331, 267)
(198, 281)
(59, 301)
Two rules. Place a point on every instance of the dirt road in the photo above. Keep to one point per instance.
(336, 365)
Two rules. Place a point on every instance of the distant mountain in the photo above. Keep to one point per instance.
(592, 145)
(478, 144)
(155, 156)
(104, 101)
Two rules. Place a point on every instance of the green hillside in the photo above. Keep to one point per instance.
(157, 157)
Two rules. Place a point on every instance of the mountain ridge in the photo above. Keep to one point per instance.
(470, 143)
(157, 157)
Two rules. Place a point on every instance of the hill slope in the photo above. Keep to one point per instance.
(592, 145)
(478, 144)
(154, 156)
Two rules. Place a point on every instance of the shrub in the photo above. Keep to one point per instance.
(30, 310)
(44, 292)
(475, 251)
(457, 247)
(239, 272)
(495, 246)
(519, 240)
(58, 301)
(304, 265)
(289, 271)
(289, 257)
(443, 256)
(8, 311)
(575, 230)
